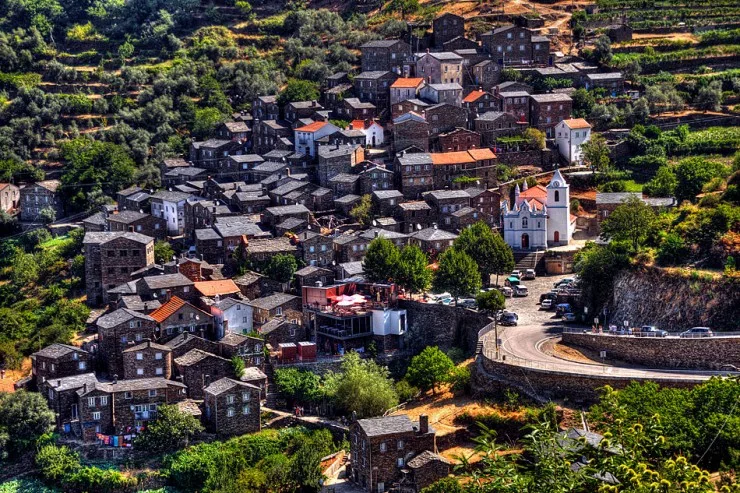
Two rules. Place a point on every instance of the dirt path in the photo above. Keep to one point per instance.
(12, 376)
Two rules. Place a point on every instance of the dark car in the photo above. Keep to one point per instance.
(509, 318)
(562, 309)
(548, 296)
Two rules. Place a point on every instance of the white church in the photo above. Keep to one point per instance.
(540, 216)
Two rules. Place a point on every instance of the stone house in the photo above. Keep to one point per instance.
(209, 245)
(268, 134)
(385, 55)
(405, 88)
(336, 79)
(414, 173)
(315, 248)
(134, 198)
(234, 230)
(462, 218)
(38, 196)
(443, 93)
(237, 131)
(613, 82)
(272, 216)
(426, 469)
(281, 330)
(515, 103)
(397, 238)
(58, 361)
(336, 159)
(346, 203)
(198, 368)
(440, 68)
(445, 202)
(177, 316)
(474, 163)
(375, 177)
(61, 395)
(444, 117)
(410, 129)
(203, 214)
(311, 274)
(385, 201)
(249, 348)
(9, 197)
(239, 166)
(514, 45)
(619, 32)
(123, 407)
(486, 74)
(186, 342)
(232, 407)
(344, 183)
(250, 202)
(414, 216)
(183, 175)
(147, 360)
(110, 258)
(165, 286)
(513, 86)
(488, 202)
(350, 248)
(118, 331)
(374, 87)
(297, 110)
(547, 110)
(460, 139)
(139, 222)
(213, 154)
(433, 240)
(272, 306)
(261, 251)
(355, 109)
(495, 124)
(334, 96)
(447, 27)
(478, 102)
(380, 448)
(265, 108)
(410, 105)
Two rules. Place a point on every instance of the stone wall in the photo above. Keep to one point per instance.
(675, 301)
(440, 325)
(701, 354)
(492, 378)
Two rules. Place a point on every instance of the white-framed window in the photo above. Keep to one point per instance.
(399, 462)
(229, 399)
(158, 356)
(245, 396)
(279, 310)
(96, 416)
(104, 400)
(128, 395)
(245, 409)
(139, 356)
(140, 371)
(159, 371)
(153, 393)
(81, 365)
(230, 412)
(400, 445)
(91, 402)
(383, 447)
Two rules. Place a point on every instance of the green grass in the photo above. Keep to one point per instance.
(633, 186)
(55, 243)
(25, 486)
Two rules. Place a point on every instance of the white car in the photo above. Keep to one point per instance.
(507, 292)
(546, 304)
(529, 274)
(521, 290)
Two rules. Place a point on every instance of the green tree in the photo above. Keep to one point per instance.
(24, 417)
(56, 463)
(381, 260)
(597, 266)
(298, 90)
(457, 273)
(491, 301)
(163, 252)
(429, 368)
(603, 50)
(535, 138)
(709, 97)
(237, 364)
(171, 430)
(596, 153)
(692, 174)
(206, 121)
(47, 215)
(583, 103)
(362, 212)
(298, 385)
(361, 386)
(125, 50)
(446, 485)
(663, 183)
(487, 249)
(25, 269)
(640, 110)
(413, 273)
(282, 267)
(632, 221)
(405, 7)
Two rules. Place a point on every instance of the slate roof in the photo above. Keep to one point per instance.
(287, 209)
(195, 356)
(415, 158)
(376, 74)
(347, 199)
(353, 268)
(127, 217)
(344, 178)
(135, 384)
(271, 245)
(106, 236)
(272, 301)
(380, 43)
(166, 281)
(57, 350)
(206, 234)
(387, 194)
(606, 76)
(72, 382)
(615, 198)
(120, 316)
(147, 345)
(252, 373)
(433, 234)
(491, 116)
(331, 151)
(310, 269)
(233, 339)
(135, 303)
(238, 227)
(550, 98)
(225, 384)
(448, 194)
(97, 218)
(416, 205)
(387, 425)
(170, 196)
(425, 458)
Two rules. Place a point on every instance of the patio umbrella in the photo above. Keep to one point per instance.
(346, 303)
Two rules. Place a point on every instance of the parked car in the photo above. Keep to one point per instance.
(516, 273)
(569, 317)
(562, 309)
(512, 281)
(552, 296)
(445, 301)
(564, 281)
(650, 331)
(696, 332)
(521, 290)
(509, 318)
(546, 304)
(467, 303)
(529, 274)
(507, 292)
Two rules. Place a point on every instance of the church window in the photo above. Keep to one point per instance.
(511, 224)
(557, 196)
(524, 222)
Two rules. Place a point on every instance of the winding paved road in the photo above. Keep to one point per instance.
(521, 345)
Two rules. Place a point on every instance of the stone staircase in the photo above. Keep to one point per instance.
(526, 259)
(271, 390)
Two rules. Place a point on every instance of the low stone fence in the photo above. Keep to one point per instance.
(710, 353)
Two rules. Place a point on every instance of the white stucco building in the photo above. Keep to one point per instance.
(306, 136)
(540, 216)
(569, 136)
(231, 315)
(170, 206)
(374, 135)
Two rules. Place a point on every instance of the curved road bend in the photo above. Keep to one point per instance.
(537, 326)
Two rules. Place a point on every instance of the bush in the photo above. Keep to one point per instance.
(56, 463)
(405, 390)
(99, 480)
(613, 186)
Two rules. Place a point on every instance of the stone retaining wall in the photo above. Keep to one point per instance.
(441, 325)
(492, 377)
(698, 354)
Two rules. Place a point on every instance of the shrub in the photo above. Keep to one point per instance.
(56, 463)
(405, 390)
(89, 479)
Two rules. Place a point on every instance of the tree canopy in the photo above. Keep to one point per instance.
(429, 368)
(361, 386)
(457, 274)
(381, 260)
(632, 221)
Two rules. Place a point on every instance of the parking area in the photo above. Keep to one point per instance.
(528, 307)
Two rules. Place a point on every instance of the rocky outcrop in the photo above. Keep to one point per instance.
(674, 300)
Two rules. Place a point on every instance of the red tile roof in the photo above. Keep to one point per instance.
(312, 127)
(213, 288)
(165, 311)
(461, 157)
(407, 82)
(577, 123)
(474, 95)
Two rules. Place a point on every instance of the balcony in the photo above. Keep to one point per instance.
(342, 328)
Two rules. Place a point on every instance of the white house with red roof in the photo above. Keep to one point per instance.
(374, 135)
(306, 136)
(570, 135)
(540, 216)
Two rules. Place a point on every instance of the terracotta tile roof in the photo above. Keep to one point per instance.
(536, 192)
(311, 127)
(455, 157)
(577, 123)
(213, 288)
(407, 82)
(473, 96)
(163, 312)
(480, 154)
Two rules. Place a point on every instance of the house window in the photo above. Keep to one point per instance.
(153, 393)
(229, 399)
(96, 416)
(525, 223)
(159, 371)
(400, 462)
(557, 196)
(230, 412)
(128, 395)
(279, 311)
(81, 365)
(140, 356)
(104, 400)
(245, 396)
(91, 402)
(158, 356)
(400, 445)
(245, 409)
(383, 447)
(140, 371)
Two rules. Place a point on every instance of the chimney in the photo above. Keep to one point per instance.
(313, 102)
(423, 424)
(115, 378)
(84, 388)
(287, 172)
(169, 295)
(377, 233)
(59, 383)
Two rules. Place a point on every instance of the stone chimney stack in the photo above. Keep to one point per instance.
(423, 424)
